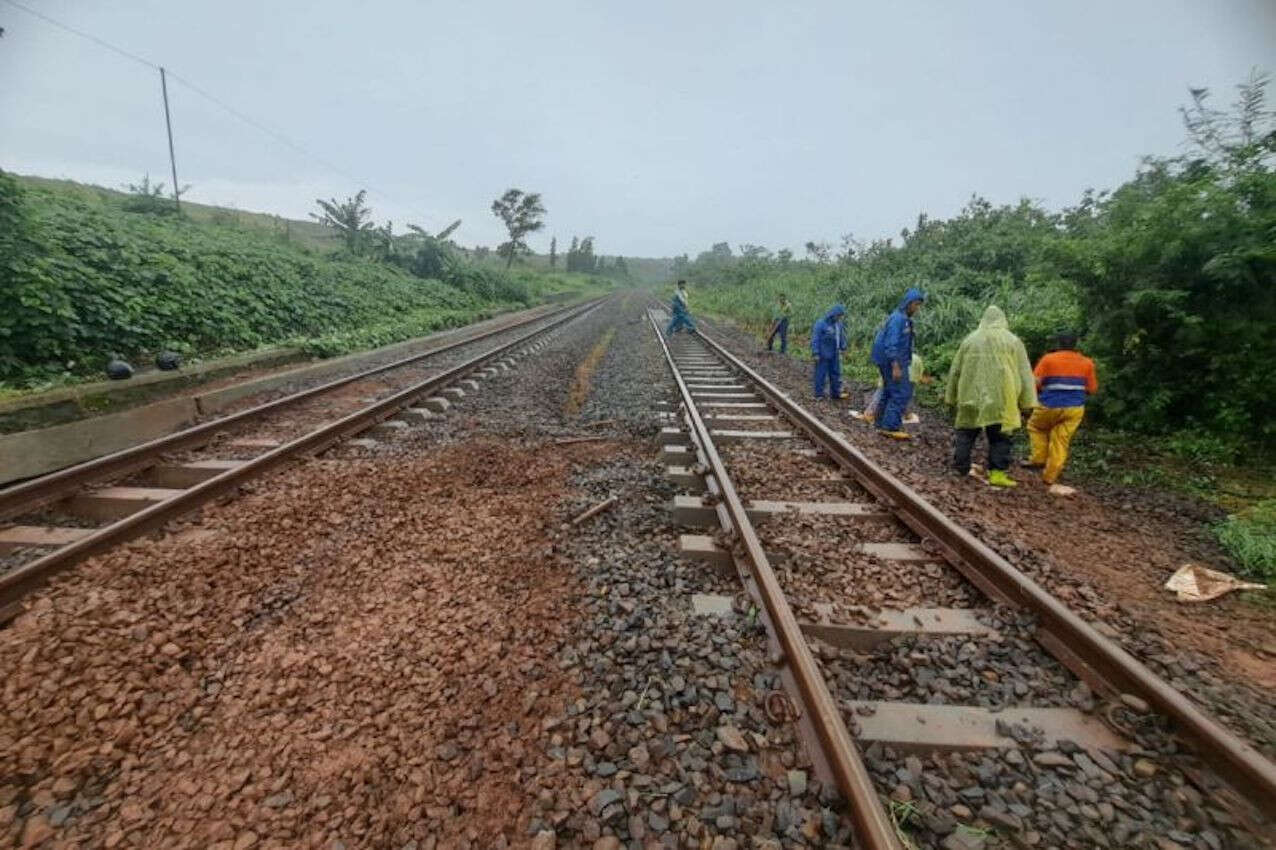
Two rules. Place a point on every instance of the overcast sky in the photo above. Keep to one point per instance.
(657, 126)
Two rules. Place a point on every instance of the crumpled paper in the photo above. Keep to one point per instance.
(1192, 583)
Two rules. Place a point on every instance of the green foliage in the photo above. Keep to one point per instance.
(83, 279)
(147, 197)
(1250, 538)
(523, 213)
(351, 218)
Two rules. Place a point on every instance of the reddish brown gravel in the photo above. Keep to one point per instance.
(347, 657)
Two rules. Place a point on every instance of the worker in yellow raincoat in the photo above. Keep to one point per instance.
(991, 381)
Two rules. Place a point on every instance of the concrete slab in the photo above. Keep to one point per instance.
(712, 605)
(910, 552)
(727, 435)
(672, 437)
(415, 415)
(710, 395)
(388, 428)
(363, 443)
(888, 625)
(733, 405)
(453, 393)
(112, 503)
(924, 728)
(469, 385)
(683, 478)
(719, 387)
(436, 404)
(19, 536)
(255, 443)
(189, 474)
(702, 547)
(691, 510)
(678, 453)
(28, 453)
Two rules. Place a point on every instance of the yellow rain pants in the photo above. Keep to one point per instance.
(1050, 429)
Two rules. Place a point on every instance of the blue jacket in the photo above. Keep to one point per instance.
(894, 342)
(827, 336)
(679, 304)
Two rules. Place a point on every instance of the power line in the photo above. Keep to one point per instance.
(216, 101)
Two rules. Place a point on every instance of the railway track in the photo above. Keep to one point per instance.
(727, 422)
(57, 520)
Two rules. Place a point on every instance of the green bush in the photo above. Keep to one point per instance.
(1250, 538)
(85, 279)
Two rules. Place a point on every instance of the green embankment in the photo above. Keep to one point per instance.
(84, 277)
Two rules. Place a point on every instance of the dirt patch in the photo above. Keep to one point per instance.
(355, 655)
(584, 376)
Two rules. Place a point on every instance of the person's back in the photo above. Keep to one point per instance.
(1065, 377)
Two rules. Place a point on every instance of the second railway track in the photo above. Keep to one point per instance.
(1091, 720)
(55, 521)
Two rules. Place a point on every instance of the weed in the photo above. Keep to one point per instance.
(1250, 538)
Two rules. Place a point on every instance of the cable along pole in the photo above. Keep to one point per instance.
(168, 124)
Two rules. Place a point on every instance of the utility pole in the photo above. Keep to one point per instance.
(168, 122)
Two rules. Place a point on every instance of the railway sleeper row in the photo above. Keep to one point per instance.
(165, 489)
(724, 401)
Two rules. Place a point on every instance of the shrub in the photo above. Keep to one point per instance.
(1250, 538)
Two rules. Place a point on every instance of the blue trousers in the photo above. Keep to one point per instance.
(680, 320)
(896, 394)
(828, 369)
(782, 331)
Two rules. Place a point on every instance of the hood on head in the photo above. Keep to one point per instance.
(835, 311)
(994, 317)
(913, 294)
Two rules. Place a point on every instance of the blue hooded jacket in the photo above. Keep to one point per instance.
(894, 342)
(827, 336)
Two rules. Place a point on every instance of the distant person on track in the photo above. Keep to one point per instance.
(828, 341)
(681, 313)
(991, 381)
(1065, 377)
(893, 355)
(780, 325)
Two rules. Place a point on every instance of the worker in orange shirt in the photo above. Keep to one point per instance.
(1065, 377)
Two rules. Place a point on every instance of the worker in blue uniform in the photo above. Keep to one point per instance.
(893, 354)
(828, 341)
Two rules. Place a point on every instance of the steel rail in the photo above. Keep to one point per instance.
(872, 826)
(1075, 642)
(35, 493)
(20, 581)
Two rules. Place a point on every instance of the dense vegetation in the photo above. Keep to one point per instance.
(88, 274)
(1171, 279)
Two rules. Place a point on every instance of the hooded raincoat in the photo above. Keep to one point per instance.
(828, 339)
(894, 341)
(991, 379)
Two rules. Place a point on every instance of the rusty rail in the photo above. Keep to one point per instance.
(1071, 639)
(30, 495)
(872, 826)
(20, 581)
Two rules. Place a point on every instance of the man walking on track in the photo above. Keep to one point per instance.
(681, 314)
(1065, 377)
(780, 325)
(893, 354)
(990, 382)
(828, 341)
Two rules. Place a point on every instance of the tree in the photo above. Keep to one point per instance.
(522, 214)
(148, 197)
(553, 251)
(352, 219)
(819, 251)
(785, 256)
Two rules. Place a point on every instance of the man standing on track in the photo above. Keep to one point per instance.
(1065, 377)
(828, 341)
(780, 325)
(893, 354)
(681, 314)
(990, 382)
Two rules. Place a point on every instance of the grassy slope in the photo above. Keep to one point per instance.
(96, 280)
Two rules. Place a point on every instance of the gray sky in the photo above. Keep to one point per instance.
(659, 127)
